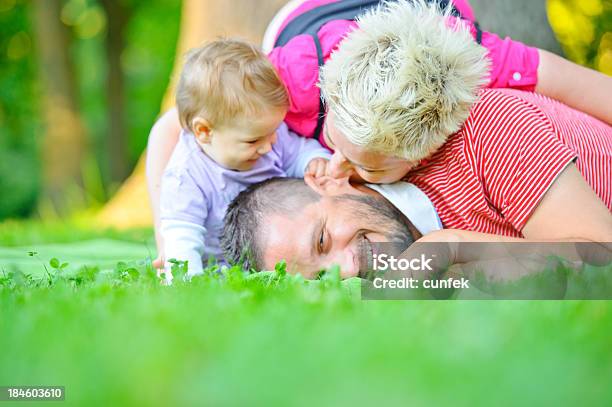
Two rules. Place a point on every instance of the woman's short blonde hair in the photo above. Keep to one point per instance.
(405, 79)
(225, 80)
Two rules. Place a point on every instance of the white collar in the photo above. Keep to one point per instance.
(413, 203)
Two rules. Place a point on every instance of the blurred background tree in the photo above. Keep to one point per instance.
(64, 132)
(19, 114)
(82, 82)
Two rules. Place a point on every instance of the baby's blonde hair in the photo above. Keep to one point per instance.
(227, 79)
(404, 80)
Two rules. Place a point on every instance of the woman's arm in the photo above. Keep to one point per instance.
(570, 210)
(578, 87)
(502, 258)
(162, 139)
(517, 65)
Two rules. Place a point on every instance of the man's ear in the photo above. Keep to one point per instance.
(328, 186)
(202, 130)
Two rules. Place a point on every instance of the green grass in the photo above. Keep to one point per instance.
(32, 232)
(114, 336)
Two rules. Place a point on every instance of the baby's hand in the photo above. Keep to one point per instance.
(317, 167)
(159, 266)
(159, 262)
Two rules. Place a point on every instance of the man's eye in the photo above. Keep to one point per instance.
(253, 141)
(321, 241)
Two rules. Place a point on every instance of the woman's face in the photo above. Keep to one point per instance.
(353, 161)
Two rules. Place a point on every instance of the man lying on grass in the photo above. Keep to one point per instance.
(318, 223)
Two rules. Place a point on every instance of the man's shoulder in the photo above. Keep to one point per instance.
(504, 113)
(503, 103)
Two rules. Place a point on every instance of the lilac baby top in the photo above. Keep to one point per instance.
(196, 192)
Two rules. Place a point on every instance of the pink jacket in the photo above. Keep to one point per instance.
(514, 64)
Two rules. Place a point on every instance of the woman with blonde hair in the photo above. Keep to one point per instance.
(406, 101)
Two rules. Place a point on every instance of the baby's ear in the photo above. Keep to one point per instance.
(326, 185)
(202, 130)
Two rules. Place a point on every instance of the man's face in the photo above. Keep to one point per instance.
(335, 231)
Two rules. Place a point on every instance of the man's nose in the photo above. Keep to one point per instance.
(348, 263)
(339, 166)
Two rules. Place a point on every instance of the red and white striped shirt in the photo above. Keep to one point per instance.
(490, 176)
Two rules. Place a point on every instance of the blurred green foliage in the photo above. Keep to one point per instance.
(20, 123)
(147, 60)
(584, 28)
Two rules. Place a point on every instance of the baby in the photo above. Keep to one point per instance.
(231, 106)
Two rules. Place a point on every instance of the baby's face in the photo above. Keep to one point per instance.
(238, 146)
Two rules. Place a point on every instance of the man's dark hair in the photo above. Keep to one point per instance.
(241, 241)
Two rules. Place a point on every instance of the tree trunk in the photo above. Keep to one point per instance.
(116, 140)
(64, 142)
(522, 20)
(201, 20)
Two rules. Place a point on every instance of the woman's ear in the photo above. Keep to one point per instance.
(328, 186)
(202, 130)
